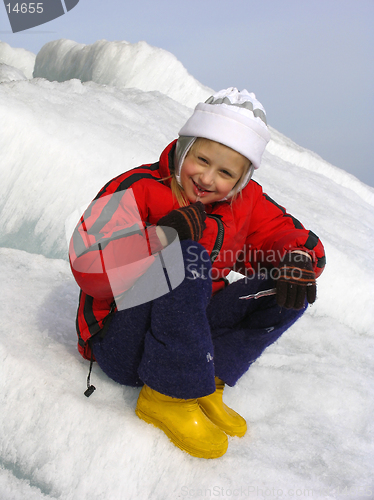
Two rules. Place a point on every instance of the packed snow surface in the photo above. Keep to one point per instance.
(308, 400)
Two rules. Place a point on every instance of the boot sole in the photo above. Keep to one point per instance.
(192, 451)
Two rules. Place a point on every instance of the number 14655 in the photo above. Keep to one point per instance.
(25, 8)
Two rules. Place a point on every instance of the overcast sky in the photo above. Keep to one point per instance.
(310, 62)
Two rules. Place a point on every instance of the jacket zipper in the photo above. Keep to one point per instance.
(220, 235)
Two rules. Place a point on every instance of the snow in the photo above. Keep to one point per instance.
(10, 73)
(75, 137)
(308, 400)
(286, 149)
(120, 64)
(21, 59)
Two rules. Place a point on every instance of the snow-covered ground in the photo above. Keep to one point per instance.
(308, 400)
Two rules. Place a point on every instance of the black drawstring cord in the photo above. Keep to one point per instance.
(90, 388)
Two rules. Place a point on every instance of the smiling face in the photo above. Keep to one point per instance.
(210, 171)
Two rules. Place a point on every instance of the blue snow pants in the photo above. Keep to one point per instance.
(178, 342)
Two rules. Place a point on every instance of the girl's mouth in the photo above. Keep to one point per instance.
(199, 191)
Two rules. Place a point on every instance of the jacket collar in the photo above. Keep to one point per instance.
(166, 162)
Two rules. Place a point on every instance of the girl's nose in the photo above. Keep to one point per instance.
(207, 177)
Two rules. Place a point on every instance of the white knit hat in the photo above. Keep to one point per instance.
(232, 118)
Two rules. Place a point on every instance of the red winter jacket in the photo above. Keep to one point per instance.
(117, 231)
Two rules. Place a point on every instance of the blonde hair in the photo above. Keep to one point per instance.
(178, 190)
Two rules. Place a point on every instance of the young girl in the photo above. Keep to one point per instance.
(151, 255)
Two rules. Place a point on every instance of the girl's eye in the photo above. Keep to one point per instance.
(226, 173)
(203, 159)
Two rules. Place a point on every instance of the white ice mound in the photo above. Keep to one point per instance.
(61, 142)
(283, 147)
(10, 74)
(120, 64)
(21, 59)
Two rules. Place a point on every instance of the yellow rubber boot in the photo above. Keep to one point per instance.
(219, 413)
(183, 422)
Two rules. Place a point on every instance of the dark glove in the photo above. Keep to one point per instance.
(187, 221)
(295, 280)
